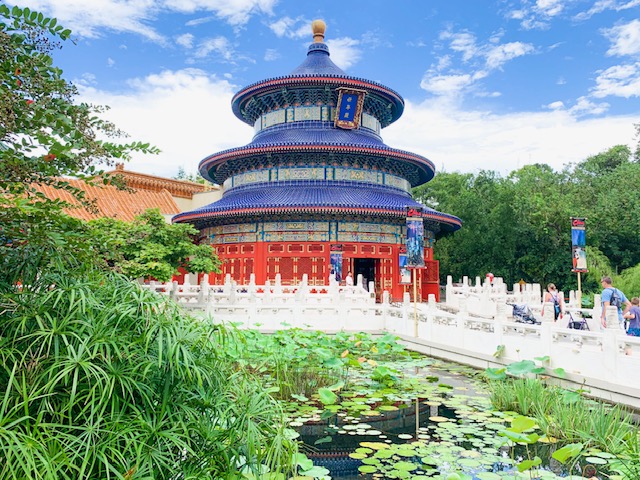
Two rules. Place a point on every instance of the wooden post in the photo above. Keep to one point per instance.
(415, 302)
(579, 295)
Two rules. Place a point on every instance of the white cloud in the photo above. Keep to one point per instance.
(625, 38)
(185, 113)
(550, 8)
(110, 62)
(444, 79)
(538, 15)
(344, 51)
(467, 141)
(89, 18)
(446, 85)
(463, 42)
(603, 5)
(291, 28)
(584, 106)
(499, 55)
(271, 54)
(235, 12)
(218, 45)
(555, 105)
(185, 40)
(619, 81)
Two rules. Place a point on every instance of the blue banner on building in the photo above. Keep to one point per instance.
(405, 273)
(349, 108)
(578, 245)
(415, 238)
(336, 262)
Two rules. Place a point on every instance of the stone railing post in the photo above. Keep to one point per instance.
(203, 293)
(498, 323)
(386, 304)
(612, 321)
(173, 293)
(548, 312)
(448, 292)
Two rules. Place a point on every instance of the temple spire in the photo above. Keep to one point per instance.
(318, 27)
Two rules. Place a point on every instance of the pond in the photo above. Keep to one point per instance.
(453, 429)
(366, 408)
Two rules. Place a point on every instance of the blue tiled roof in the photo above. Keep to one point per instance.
(318, 68)
(308, 196)
(309, 134)
(318, 62)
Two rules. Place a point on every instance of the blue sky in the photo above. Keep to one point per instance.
(488, 84)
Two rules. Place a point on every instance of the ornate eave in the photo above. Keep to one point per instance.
(424, 169)
(439, 221)
(141, 181)
(383, 102)
(324, 198)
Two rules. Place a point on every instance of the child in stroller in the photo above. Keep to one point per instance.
(523, 314)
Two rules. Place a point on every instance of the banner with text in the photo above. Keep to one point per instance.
(415, 238)
(578, 245)
(336, 262)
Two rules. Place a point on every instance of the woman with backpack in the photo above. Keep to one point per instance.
(552, 296)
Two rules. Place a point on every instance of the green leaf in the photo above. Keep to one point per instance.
(327, 397)
(568, 452)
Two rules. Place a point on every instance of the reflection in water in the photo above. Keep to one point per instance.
(444, 432)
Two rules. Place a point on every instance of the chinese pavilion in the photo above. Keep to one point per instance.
(317, 183)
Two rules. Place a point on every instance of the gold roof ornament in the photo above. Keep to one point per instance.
(318, 27)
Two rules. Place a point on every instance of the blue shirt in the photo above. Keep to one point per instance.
(635, 321)
(607, 293)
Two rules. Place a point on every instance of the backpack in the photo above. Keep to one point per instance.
(556, 306)
(616, 299)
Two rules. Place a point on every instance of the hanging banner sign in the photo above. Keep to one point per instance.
(415, 238)
(336, 261)
(578, 245)
(349, 108)
(405, 273)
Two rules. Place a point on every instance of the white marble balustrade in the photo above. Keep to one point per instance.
(469, 326)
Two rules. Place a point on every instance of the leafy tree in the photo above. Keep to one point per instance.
(150, 247)
(191, 177)
(518, 226)
(99, 378)
(44, 136)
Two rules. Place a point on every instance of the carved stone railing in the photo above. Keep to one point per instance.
(603, 360)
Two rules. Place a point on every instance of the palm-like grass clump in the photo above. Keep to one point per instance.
(102, 379)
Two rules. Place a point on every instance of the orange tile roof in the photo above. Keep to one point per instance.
(112, 202)
(143, 181)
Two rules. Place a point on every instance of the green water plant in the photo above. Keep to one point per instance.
(102, 379)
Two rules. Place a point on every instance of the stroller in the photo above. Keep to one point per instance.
(523, 314)
(580, 324)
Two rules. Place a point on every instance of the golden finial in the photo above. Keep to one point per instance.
(318, 27)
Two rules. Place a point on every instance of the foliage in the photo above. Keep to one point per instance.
(101, 379)
(517, 227)
(150, 247)
(104, 379)
(191, 177)
(568, 415)
(44, 137)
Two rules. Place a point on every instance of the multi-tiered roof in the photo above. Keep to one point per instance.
(300, 162)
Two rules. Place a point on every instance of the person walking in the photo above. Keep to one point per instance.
(613, 297)
(349, 279)
(633, 315)
(552, 296)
